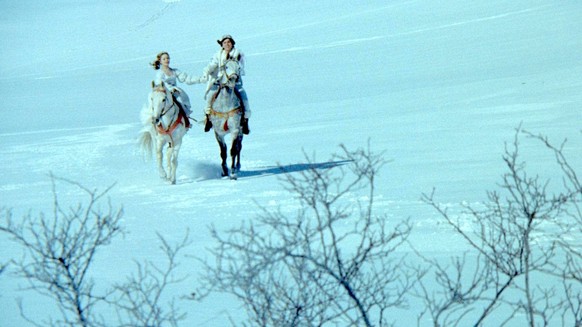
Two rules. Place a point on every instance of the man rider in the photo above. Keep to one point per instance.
(216, 68)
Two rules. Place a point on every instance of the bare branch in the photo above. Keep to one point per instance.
(523, 237)
(333, 262)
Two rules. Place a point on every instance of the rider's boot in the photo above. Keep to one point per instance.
(186, 119)
(245, 126)
(244, 120)
(208, 125)
(181, 108)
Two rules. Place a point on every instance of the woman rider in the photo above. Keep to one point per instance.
(170, 77)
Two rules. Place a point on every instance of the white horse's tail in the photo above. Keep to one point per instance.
(146, 138)
(146, 142)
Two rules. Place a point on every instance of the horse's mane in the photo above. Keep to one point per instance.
(160, 88)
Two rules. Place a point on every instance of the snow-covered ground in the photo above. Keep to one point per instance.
(438, 85)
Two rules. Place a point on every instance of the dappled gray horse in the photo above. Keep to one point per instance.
(225, 112)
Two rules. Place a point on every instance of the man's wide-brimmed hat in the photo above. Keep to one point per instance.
(224, 37)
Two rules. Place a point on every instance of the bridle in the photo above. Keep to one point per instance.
(176, 120)
(220, 87)
(166, 108)
(225, 72)
(223, 115)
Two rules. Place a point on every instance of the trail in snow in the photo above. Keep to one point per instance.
(351, 42)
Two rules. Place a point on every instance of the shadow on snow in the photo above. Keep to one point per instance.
(206, 171)
(292, 168)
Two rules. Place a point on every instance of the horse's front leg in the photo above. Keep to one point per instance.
(160, 158)
(223, 154)
(169, 159)
(173, 161)
(235, 150)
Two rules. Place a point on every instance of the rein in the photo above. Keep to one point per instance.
(222, 86)
(172, 127)
(168, 131)
(168, 110)
(223, 115)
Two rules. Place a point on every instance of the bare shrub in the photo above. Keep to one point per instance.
(526, 251)
(59, 252)
(333, 263)
(139, 300)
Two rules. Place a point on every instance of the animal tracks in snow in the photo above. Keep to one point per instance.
(157, 15)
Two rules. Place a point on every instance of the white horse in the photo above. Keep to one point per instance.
(225, 113)
(164, 123)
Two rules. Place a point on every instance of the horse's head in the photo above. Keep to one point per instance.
(230, 74)
(160, 101)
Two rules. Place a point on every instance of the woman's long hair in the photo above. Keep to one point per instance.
(157, 64)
